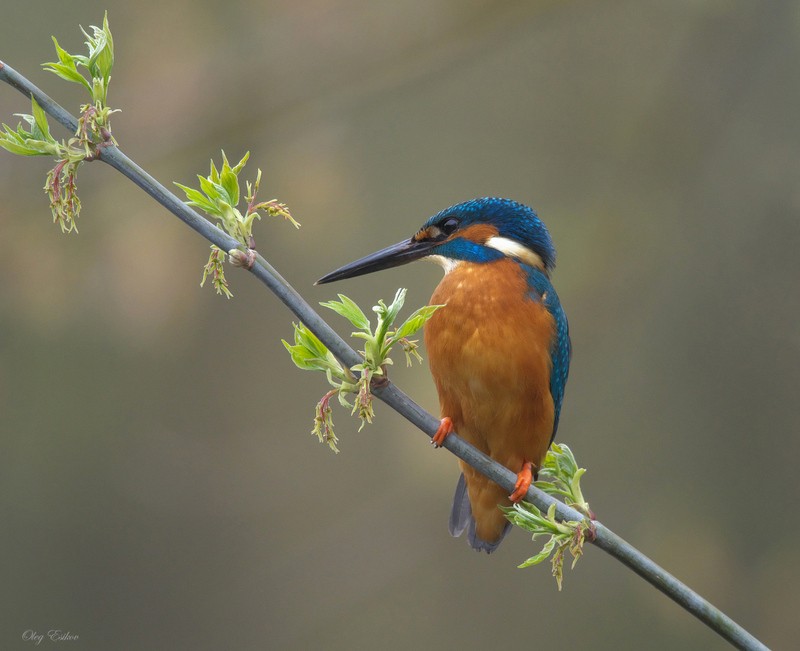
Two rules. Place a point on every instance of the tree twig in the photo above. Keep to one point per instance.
(605, 539)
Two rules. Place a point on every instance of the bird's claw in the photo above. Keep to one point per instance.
(445, 427)
(524, 479)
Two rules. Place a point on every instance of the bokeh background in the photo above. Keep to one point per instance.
(159, 488)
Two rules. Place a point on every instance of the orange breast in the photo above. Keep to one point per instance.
(489, 354)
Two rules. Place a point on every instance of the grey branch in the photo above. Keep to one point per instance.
(605, 539)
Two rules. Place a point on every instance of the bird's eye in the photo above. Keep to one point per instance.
(449, 226)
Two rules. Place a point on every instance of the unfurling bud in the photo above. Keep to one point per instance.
(243, 259)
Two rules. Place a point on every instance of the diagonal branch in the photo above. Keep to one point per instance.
(605, 539)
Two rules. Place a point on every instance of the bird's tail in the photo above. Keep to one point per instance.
(461, 519)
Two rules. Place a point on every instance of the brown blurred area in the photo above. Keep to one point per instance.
(159, 488)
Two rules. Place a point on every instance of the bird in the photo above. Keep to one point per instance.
(499, 350)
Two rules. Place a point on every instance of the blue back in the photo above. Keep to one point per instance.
(561, 349)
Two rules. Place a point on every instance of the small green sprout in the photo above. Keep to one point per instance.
(219, 197)
(98, 63)
(562, 479)
(564, 536)
(36, 140)
(94, 129)
(309, 353)
(94, 125)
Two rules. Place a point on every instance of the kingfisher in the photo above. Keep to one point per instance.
(499, 350)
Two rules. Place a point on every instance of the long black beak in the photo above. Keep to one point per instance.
(392, 256)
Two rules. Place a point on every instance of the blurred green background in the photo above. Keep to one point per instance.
(159, 488)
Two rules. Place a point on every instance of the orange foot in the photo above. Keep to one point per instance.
(445, 428)
(524, 479)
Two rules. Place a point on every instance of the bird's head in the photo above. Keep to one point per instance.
(480, 230)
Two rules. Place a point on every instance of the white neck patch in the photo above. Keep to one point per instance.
(516, 250)
(448, 264)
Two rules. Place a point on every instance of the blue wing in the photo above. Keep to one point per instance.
(561, 348)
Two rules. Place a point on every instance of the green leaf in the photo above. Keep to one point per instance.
(575, 484)
(395, 307)
(247, 224)
(63, 56)
(305, 337)
(349, 310)
(301, 357)
(212, 190)
(230, 184)
(66, 68)
(105, 57)
(542, 555)
(551, 512)
(40, 117)
(23, 143)
(198, 199)
(238, 167)
(101, 51)
(67, 73)
(309, 353)
(19, 149)
(416, 321)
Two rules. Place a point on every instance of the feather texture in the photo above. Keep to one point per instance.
(490, 351)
